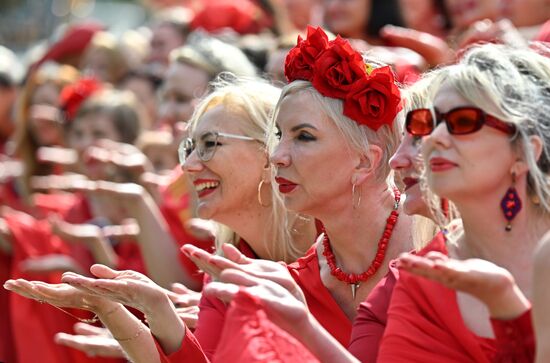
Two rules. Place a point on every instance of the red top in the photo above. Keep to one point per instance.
(370, 323)
(319, 299)
(249, 336)
(424, 324)
(212, 313)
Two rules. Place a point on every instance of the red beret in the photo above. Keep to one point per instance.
(74, 42)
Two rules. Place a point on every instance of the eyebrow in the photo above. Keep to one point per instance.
(303, 126)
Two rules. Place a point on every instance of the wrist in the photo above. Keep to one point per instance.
(509, 304)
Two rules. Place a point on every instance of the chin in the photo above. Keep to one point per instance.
(204, 211)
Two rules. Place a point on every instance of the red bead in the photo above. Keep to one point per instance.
(378, 259)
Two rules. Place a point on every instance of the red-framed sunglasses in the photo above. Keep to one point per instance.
(459, 121)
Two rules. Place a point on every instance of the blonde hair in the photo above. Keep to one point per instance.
(512, 84)
(358, 137)
(254, 100)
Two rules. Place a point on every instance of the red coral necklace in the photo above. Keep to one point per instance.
(354, 280)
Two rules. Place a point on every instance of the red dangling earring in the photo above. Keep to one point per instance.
(511, 204)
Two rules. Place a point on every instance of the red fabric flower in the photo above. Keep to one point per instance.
(73, 95)
(337, 69)
(299, 61)
(374, 100)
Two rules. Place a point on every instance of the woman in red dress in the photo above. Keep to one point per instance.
(495, 99)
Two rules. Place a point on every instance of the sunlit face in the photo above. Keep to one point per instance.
(406, 164)
(466, 166)
(300, 11)
(145, 94)
(44, 122)
(422, 15)
(465, 12)
(88, 129)
(165, 38)
(348, 18)
(227, 184)
(314, 164)
(183, 86)
(98, 64)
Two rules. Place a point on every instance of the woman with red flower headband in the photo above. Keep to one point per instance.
(336, 122)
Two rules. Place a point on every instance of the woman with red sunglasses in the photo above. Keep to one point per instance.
(491, 159)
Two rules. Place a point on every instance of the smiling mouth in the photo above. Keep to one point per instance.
(206, 187)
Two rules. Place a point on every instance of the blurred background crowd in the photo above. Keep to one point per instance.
(94, 100)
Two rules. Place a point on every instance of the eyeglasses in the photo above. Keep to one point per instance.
(459, 121)
(205, 145)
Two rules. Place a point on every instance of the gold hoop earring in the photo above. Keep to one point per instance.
(260, 194)
(355, 206)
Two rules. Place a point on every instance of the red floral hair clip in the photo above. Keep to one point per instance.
(72, 96)
(336, 70)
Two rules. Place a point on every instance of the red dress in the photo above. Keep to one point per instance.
(213, 311)
(249, 336)
(424, 325)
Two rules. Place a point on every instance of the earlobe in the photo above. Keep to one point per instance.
(520, 166)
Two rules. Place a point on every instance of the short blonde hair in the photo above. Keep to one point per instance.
(358, 137)
(254, 100)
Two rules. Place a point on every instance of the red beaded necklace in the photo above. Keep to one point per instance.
(355, 279)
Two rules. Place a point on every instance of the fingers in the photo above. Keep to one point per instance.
(233, 254)
(87, 329)
(223, 291)
(181, 289)
(239, 278)
(202, 259)
(104, 272)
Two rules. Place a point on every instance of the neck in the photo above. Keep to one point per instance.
(354, 233)
(485, 236)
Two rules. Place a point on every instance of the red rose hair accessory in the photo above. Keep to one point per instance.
(336, 70)
(73, 95)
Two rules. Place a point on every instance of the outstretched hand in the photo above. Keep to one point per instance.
(282, 307)
(127, 287)
(92, 340)
(234, 259)
(60, 295)
(493, 285)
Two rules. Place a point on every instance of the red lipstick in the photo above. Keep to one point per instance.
(285, 186)
(441, 164)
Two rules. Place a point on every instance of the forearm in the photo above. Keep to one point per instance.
(132, 335)
(159, 250)
(166, 326)
(321, 344)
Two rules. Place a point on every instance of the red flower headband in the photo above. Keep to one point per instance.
(73, 95)
(336, 70)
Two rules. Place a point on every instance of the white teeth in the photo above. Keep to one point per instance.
(202, 186)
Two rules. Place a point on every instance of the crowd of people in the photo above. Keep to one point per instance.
(295, 181)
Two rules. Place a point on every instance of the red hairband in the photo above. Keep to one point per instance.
(337, 70)
(72, 96)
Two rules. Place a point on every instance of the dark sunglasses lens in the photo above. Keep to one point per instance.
(464, 121)
(420, 122)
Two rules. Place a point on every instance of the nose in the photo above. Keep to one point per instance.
(280, 157)
(403, 158)
(192, 163)
(438, 139)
